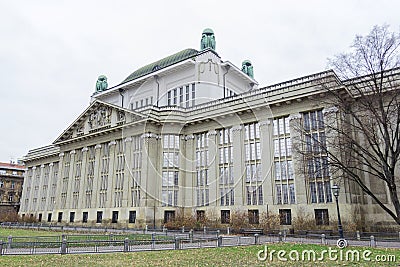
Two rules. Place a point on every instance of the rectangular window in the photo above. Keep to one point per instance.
(285, 216)
(40, 217)
(254, 217)
(200, 215)
(169, 215)
(225, 216)
(132, 216)
(99, 217)
(317, 167)
(60, 215)
(71, 217)
(85, 217)
(321, 217)
(49, 217)
(114, 218)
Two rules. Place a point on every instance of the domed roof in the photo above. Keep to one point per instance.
(208, 30)
(162, 63)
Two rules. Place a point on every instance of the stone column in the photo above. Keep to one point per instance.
(111, 178)
(297, 158)
(151, 176)
(71, 179)
(127, 173)
(82, 183)
(213, 167)
(96, 179)
(47, 205)
(189, 167)
(57, 205)
(267, 161)
(40, 190)
(29, 206)
(238, 165)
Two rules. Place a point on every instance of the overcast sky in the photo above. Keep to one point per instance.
(51, 52)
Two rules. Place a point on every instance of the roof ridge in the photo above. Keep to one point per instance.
(162, 63)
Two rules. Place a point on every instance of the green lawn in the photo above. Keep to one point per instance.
(228, 256)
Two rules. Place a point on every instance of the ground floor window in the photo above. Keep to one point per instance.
(49, 217)
(200, 215)
(114, 218)
(40, 217)
(321, 217)
(132, 216)
(71, 217)
(60, 214)
(99, 217)
(254, 217)
(84, 217)
(285, 216)
(225, 216)
(169, 215)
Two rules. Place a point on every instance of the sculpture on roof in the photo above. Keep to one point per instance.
(247, 68)
(207, 39)
(101, 84)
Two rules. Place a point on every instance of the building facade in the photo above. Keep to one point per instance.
(195, 134)
(11, 180)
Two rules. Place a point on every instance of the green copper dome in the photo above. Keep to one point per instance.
(208, 31)
(162, 63)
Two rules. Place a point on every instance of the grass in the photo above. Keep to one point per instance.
(226, 256)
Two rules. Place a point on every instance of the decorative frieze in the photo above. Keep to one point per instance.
(112, 143)
(330, 110)
(237, 128)
(294, 116)
(150, 135)
(128, 139)
(188, 137)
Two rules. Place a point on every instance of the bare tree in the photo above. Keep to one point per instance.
(365, 148)
(363, 137)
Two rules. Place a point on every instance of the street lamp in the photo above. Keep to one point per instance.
(335, 191)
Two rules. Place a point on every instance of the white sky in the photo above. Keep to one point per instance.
(51, 52)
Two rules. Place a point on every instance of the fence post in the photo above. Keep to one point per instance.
(323, 239)
(255, 239)
(9, 241)
(219, 241)
(205, 229)
(163, 228)
(372, 242)
(183, 229)
(145, 229)
(217, 233)
(191, 235)
(280, 236)
(1, 247)
(64, 247)
(126, 244)
(358, 235)
(153, 240)
(228, 230)
(176, 242)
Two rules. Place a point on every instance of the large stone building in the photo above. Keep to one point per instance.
(195, 134)
(11, 179)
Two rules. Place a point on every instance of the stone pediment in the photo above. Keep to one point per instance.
(99, 116)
